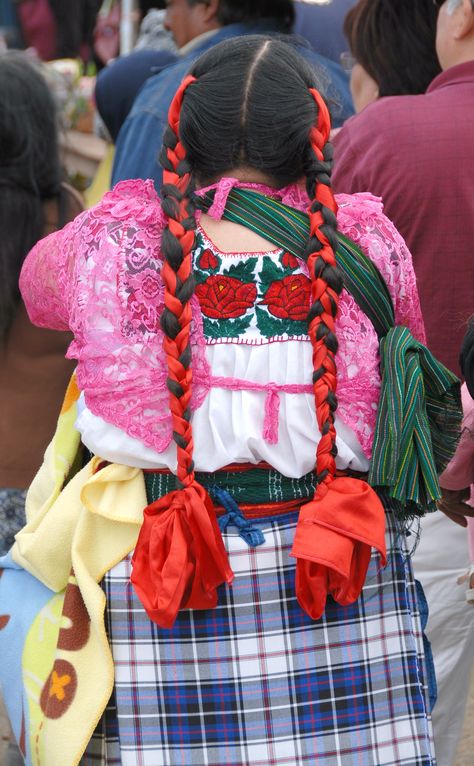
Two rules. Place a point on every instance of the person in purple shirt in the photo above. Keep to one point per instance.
(417, 153)
(392, 48)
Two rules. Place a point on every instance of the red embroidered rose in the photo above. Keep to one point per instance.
(289, 298)
(289, 261)
(208, 260)
(224, 297)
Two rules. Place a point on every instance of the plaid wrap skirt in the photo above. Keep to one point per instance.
(257, 682)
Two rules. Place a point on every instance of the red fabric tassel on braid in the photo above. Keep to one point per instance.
(180, 558)
(345, 520)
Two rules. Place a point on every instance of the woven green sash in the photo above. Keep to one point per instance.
(419, 414)
(255, 485)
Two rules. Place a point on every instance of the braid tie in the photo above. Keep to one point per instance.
(337, 529)
(180, 558)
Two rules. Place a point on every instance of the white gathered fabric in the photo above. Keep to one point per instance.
(228, 425)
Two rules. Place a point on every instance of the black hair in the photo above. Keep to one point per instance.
(29, 169)
(149, 5)
(253, 104)
(75, 22)
(237, 11)
(250, 106)
(395, 43)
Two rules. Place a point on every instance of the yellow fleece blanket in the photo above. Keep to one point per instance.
(73, 536)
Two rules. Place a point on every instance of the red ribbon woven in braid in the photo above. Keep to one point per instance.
(180, 558)
(345, 520)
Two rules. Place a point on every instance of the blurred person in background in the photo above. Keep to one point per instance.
(196, 26)
(322, 25)
(152, 34)
(457, 481)
(118, 84)
(392, 49)
(417, 153)
(75, 21)
(444, 561)
(400, 147)
(58, 28)
(10, 34)
(33, 202)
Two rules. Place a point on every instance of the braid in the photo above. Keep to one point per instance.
(177, 274)
(179, 558)
(338, 527)
(326, 286)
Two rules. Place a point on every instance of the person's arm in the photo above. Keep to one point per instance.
(456, 480)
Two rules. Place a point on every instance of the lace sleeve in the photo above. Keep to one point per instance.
(361, 217)
(44, 279)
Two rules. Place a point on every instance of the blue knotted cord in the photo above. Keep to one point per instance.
(253, 536)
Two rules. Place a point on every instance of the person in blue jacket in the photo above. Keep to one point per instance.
(322, 26)
(196, 26)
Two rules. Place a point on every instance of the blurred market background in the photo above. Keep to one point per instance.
(75, 39)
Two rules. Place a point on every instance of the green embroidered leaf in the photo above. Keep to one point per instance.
(271, 272)
(244, 271)
(200, 276)
(226, 328)
(271, 326)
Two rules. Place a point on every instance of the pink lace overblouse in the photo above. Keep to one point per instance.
(100, 278)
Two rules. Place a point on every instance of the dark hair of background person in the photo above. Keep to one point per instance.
(237, 11)
(75, 20)
(30, 171)
(149, 5)
(395, 43)
(259, 88)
